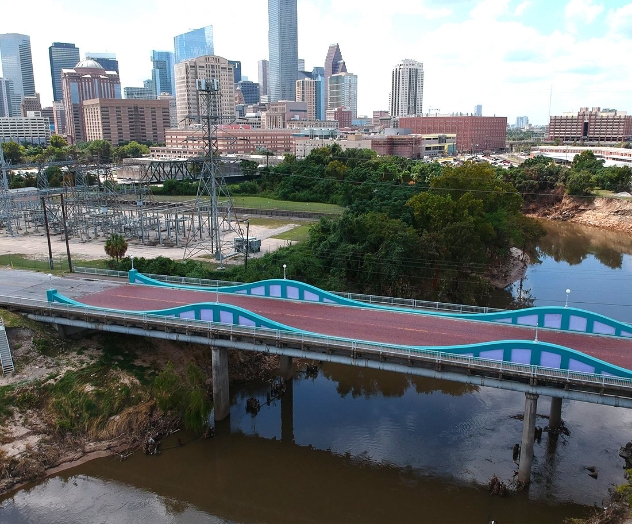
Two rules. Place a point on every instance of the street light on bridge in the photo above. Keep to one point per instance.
(567, 293)
(284, 267)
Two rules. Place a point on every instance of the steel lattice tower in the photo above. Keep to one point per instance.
(6, 207)
(210, 216)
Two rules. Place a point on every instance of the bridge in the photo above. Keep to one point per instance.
(564, 353)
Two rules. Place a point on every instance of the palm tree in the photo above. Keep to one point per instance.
(116, 246)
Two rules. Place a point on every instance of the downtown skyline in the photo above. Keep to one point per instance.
(503, 54)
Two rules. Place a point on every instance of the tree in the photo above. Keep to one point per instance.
(116, 246)
(131, 150)
(100, 149)
(58, 142)
(587, 161)
(14, 153)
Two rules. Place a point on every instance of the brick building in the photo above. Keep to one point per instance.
(124, 120)
(185, 143)
(342, 115)
(414, 146)
(473, 133)
(595, 125)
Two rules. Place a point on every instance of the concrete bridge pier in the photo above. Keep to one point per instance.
(221, 400)
(555, 416)
(528, 437)
(285, 369)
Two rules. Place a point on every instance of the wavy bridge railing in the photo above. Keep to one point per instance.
(549, 317)
(515, 352)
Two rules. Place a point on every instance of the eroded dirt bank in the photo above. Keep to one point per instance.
(608, 213)
(38, 435)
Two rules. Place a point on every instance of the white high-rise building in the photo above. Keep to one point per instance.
(343, 92)
(203, 67)
(407, 89)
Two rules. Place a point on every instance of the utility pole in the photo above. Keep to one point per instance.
(50, 251)
(247, 243)
(63, 212)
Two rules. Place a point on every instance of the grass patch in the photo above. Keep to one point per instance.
(297, 234)
(6, 393)
(20, 261)
(13, 320)
(121, 353)
(84, 400)
(271, 223)
(285, 205)
(256, 202)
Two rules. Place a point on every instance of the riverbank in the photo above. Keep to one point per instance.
(613, 214)
(75, 400)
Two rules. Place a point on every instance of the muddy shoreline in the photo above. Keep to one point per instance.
(613, 214)
(32, 445)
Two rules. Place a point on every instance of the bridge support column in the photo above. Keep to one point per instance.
(555, 416)
(221, 400)
(528, 436)
(285, 369)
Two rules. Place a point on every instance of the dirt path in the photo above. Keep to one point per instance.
(33, 245)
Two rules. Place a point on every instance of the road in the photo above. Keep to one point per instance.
(364, 324)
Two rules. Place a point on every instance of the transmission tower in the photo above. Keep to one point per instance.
(210, 217)
(6, 207)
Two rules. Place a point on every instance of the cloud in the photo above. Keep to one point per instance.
(620, 20)
(489, 9)
(582, 11)
(521, 8)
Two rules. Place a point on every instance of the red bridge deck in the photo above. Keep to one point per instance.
(365, 324)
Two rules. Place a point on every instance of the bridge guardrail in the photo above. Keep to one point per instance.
(378, 349)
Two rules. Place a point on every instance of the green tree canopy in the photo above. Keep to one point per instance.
(14, 153)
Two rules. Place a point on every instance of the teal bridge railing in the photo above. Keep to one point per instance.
(549, 317)
(525, 352)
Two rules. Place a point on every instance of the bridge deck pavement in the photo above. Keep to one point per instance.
(364, 324)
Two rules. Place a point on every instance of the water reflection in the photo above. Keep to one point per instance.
(573, 243)
(596, 265)
(385, 454)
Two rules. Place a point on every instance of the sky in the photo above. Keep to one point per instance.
(515, 57)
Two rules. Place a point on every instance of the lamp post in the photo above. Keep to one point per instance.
(50, 281)
(284, 267)
(247, 243)
(567, 293)
(132, 259)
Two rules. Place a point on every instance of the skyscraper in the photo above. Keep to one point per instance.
(407, 88)
(334, 64)
(61, 56)
(306, 92)
(343, 92)
(198, 42)
(478, 110)
(5, 97)
(187, 98)
(264, 77)
(86, 81)
(236, 69)
(107, 60)
(17, 67)
(283, 49)
(162, 72)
